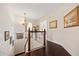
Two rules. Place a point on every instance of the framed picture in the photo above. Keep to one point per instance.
(12, 42)
(72, 18)
(10, 39)
(6, 35)
(19, 35)
(33, 28)
(53, 24)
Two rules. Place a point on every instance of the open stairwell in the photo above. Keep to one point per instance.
(42, 48)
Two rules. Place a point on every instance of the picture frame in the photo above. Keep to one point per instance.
(53, 24)
(19, 35)
(12, 42)
(10, 39)
(72, 18)
(6, 35)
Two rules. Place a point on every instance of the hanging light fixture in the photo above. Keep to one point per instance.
(25, 26)
(25, 22)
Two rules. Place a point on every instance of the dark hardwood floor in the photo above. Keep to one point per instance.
(52, 49)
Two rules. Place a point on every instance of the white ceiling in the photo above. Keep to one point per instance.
(37, 10)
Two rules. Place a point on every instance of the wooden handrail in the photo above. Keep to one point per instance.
(29, 39)
(36, 31)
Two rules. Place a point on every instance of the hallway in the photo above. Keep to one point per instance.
(60, 21)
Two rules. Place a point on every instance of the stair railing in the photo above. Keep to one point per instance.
(29, 40)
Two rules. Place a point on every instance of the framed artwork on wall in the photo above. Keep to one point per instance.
(33, 28)
(53, 24)
(10, 39)
(19, 35)
(72, 18)
(12, 42)
(6, 35)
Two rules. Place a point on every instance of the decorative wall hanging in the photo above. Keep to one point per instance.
(10, 39)
(12, 42)
(37, 27)
(19, 35)
(6, 35)
(72, 18)
(53, 24)
(33, 28)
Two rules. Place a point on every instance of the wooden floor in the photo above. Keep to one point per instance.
(52, 49)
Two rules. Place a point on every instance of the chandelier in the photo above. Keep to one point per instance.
(25, 22)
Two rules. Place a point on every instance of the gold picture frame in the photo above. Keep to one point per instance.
(53, 24)
(72, 18)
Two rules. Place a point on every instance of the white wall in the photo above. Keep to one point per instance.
(5, 25)
(20, 28)
(43, 25)
(19, 43)
(67, 37)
